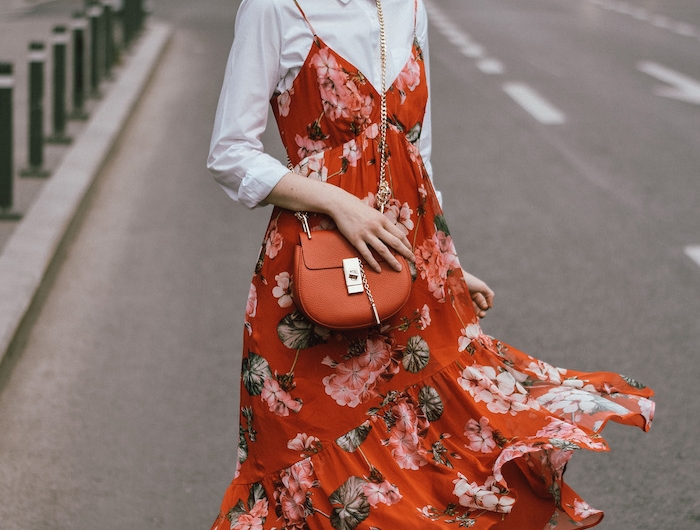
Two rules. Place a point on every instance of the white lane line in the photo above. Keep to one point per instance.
(491, 66)
(538, 107)
(683, 88)
(472, 50)
(693, 252)
(642, 14)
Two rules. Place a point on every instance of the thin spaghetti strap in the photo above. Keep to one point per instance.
(306, 19)
(415, 16)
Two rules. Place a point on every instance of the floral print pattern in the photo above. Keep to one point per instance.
(424, 418)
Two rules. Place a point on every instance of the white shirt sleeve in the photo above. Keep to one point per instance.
(236, 157)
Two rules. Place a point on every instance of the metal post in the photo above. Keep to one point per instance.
(60, 44)
(79, 25)
(110, 45)
(94, 13)
(131, 21)
(37, 59)
(6, 147)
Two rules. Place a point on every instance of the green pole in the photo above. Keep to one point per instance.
(79, 24)
(6, 143)
(60, 44)
(37, 59)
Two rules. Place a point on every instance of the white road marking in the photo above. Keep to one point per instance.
(538, 107)
(693, 252)
(683, 88)
(640, 13)
(473, 50)
(684, 29)
(491, 66)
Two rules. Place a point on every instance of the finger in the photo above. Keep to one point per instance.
(398, 240)
(478, 311)
(367, 255)
(480, 301)
(383, 250)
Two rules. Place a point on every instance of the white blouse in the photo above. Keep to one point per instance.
(271, 43)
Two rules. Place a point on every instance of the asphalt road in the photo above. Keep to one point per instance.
(577, 204)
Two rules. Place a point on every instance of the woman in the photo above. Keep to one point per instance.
(421, 419)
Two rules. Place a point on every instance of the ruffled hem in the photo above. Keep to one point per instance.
(474, 463)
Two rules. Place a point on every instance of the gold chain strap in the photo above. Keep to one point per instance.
(383, 191)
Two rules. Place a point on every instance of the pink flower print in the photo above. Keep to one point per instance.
(406, 447)
(480, 435)
(377, 355)
(254, 519)
(305, 444)
(273, 242)
(546, 372)
(400, 215)
(447, 249)
(283, 291)
(278, 400)
(284, 101)
(292, 492)
(422, 192)
(384, 493)
(409, 78)
(501, 392)
(406, 450)
(251, 306)
(351, 152)
(472, 495)
(372, 131)
(248, 522)
(317, 168)
(470, 333)
(327, 67)
(308, 147)
(338, 389)
(435, 258)
(355, 380)
(424, 321)
(583, 510)
(370, 200)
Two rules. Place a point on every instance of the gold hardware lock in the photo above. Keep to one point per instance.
(353, 275)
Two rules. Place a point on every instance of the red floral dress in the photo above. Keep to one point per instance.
(424, 421)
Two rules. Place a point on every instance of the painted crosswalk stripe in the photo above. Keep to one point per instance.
(693, 252)
(538, 107)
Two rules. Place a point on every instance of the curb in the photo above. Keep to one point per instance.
(27, 256)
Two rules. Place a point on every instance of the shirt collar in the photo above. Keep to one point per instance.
(345, 1)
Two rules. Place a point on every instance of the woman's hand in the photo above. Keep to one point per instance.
(367, 228)
(481, 294)
(361, 224)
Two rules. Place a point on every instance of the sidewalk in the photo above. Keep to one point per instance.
(48, 206)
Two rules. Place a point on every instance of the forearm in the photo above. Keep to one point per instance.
(298, 193)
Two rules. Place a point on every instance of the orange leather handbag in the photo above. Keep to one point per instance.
(334, 289)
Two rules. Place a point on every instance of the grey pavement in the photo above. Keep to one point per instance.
(121, 410)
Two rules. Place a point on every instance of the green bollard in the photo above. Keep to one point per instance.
(6, 141)
(79, 24)
(110, 45)
(60, 44)
(37, 59)
(94, 13)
